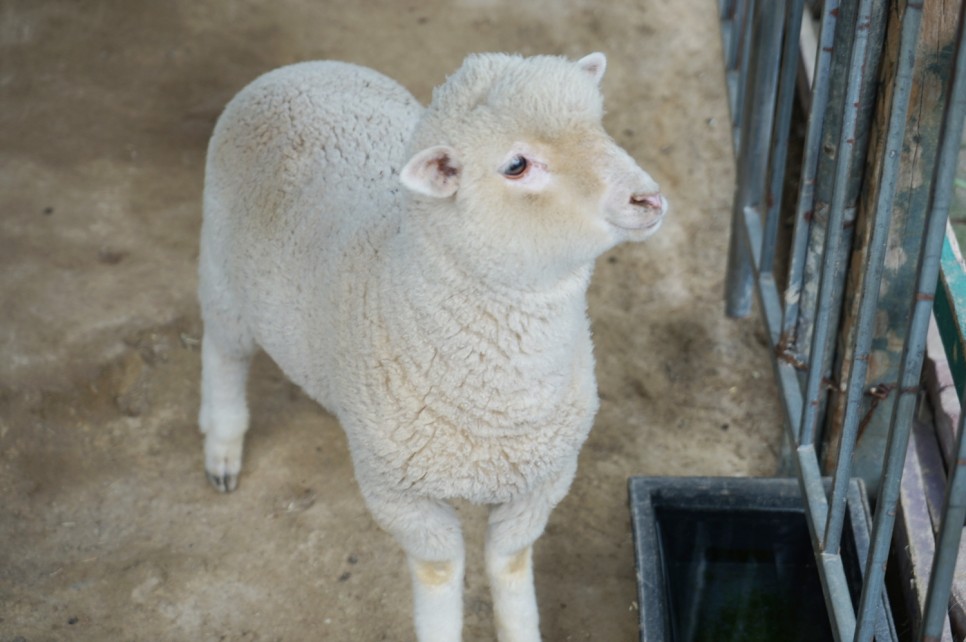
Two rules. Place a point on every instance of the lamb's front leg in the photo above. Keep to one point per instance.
(513, 528)
(223, 417)
(429, 532)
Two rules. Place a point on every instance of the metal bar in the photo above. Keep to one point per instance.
(831, 254)
(755, 129)
(767, 292)
(746, 16)
(752, 231)
(831, 571)
(783, 118)
(808, 54)
(859, 512)
(729, 44)
(875, 261)
(731, 15)
(813, 490)
(785, 372)
(732, 31)
(954, 505)
(899, 433)
(836, 588)
(806, 189)
(913, 540)
(927, 274)
(950, 534)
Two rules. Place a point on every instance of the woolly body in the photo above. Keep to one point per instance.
(444, 325)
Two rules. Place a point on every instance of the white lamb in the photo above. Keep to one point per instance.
(422, 274)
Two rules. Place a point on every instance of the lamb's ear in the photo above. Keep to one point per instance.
(435, 171)
(594, 64)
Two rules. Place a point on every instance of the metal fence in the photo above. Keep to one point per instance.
(840, 239)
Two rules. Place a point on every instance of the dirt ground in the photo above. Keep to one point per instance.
(108, 528)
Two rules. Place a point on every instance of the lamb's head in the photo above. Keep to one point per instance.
(512, 172)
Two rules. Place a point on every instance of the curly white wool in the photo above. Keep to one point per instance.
(400, 266)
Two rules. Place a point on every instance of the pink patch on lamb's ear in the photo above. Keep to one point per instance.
(435, 172)
(594, 64)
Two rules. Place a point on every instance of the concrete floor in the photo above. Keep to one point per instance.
(108, 529)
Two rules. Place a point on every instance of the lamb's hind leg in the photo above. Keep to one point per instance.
(429, 532)
(513, 528)
(224, 412)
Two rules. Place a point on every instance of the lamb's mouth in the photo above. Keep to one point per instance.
(641, 227)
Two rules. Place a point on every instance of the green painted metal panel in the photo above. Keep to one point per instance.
(950, 308)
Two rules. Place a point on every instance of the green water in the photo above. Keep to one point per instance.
(741, 577)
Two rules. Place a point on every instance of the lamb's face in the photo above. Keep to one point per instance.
(578, 178)
(533, 186)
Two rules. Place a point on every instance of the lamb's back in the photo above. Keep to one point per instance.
(301, 178)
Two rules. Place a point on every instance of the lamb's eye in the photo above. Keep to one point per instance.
(516, 167)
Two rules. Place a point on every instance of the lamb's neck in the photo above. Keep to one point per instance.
(444, 313)
(432, 278)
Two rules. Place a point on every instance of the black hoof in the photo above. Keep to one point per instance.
(224, 483)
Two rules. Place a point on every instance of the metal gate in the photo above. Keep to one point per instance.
(839, 224)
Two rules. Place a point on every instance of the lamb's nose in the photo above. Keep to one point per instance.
(652, 200)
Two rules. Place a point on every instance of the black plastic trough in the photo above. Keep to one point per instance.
(730, 560)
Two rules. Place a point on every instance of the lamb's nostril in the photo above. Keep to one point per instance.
(652, 201)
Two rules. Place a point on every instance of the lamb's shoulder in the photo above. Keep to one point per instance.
(311, 135)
